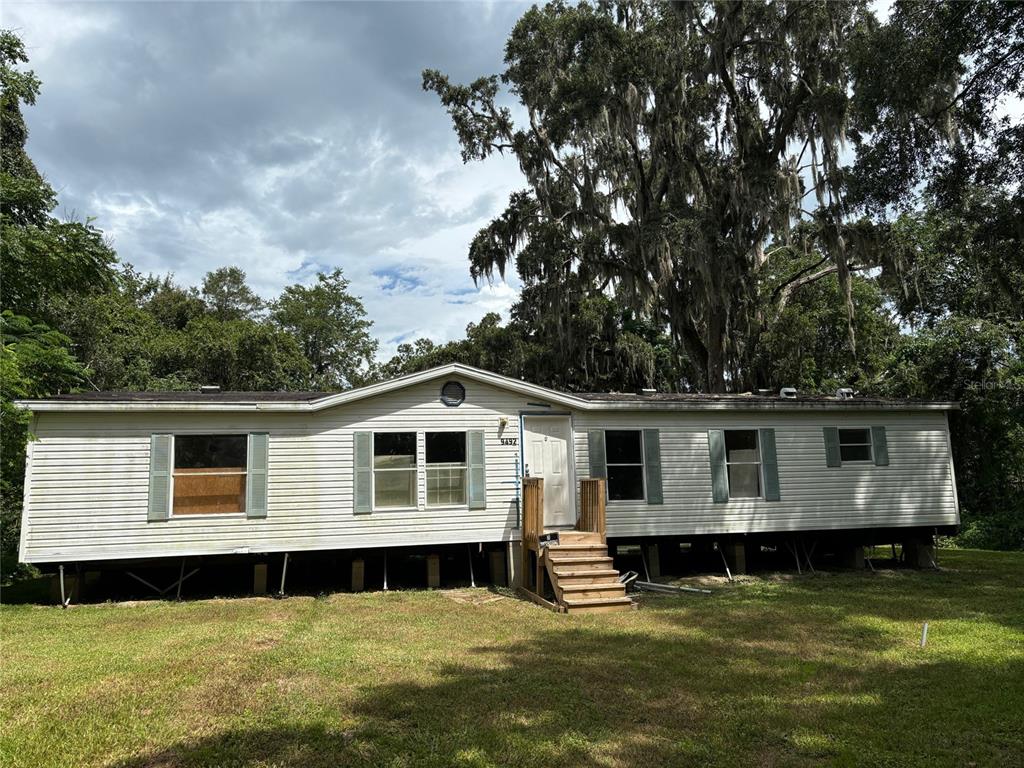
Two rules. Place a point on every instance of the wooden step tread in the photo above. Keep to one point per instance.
(569, 559)
(602, 587)
(590, 602)
(576, 546)
(580, 537)
(570, 573)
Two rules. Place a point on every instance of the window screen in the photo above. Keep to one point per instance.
(446, 468)
(394, 469)
(625, 464)
(743, 461)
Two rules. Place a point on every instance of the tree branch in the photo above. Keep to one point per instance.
(789, 288)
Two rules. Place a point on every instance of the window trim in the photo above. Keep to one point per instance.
(642, 465)
(175, 434)
(759, 463)
(426, 497)
(373, 471)
(870, 444)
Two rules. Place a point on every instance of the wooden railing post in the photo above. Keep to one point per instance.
(592, 506)
(533, 520)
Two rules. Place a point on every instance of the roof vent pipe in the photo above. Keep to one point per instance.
(209, 389)
(788, 392)
(844, 393)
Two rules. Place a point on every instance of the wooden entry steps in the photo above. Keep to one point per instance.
(582, 575)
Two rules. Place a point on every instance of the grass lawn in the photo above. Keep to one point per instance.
(821, 669)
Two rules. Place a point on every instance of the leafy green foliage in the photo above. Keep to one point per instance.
(978, 363)
(34, 362)
(928, 85)
(330, 325)
(40, 257)
(227, 295)
(805, 345)
(598, 346)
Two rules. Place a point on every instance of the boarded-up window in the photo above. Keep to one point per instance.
(394, 469)
(209, 474)
(446, 468)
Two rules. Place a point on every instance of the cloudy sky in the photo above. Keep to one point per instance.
(284, 138)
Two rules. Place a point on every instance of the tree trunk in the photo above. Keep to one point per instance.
(715, 368)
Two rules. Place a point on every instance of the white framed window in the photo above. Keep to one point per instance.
(743, 463)
(394, 470)
(209, 474)
(446, 468)
(624, 463)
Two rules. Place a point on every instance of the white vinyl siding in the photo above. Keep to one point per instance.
(89, 480)
(915, 490)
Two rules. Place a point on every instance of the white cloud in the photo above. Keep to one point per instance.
(284, 139)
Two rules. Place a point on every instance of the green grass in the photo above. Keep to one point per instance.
(822, 669)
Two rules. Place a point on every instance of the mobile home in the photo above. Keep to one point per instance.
(440, 457)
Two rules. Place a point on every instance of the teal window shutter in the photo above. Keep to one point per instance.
(363, 478)
(879, 446)
(256, 476)
(160, 449)
(652, 466)
(719, 475)
(477, 470)
(832, 456)
(595, 447)
(769, 464)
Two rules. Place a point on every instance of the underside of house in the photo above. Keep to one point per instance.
(548, 484)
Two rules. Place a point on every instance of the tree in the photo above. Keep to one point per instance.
(150, 333)
(227, 295)
(966, 305)
(330, 325)
(40, 257)
(34, 362)
(242, 355)
(976, 362)
(667, 151)
(928, 88)
(804, 346)
(602, 347)
(964, 259)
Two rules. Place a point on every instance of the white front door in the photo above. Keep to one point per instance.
(546, 454)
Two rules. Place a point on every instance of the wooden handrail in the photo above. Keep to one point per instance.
(592, 506)
(533, 511)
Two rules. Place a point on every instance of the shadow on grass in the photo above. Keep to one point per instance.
(725, 686)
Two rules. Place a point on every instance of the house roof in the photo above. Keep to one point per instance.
(188, 397)
(315, 401)
(746, 399)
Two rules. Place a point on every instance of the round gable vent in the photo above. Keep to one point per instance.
(453, 393)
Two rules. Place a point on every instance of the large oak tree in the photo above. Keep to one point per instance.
(670, 150)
